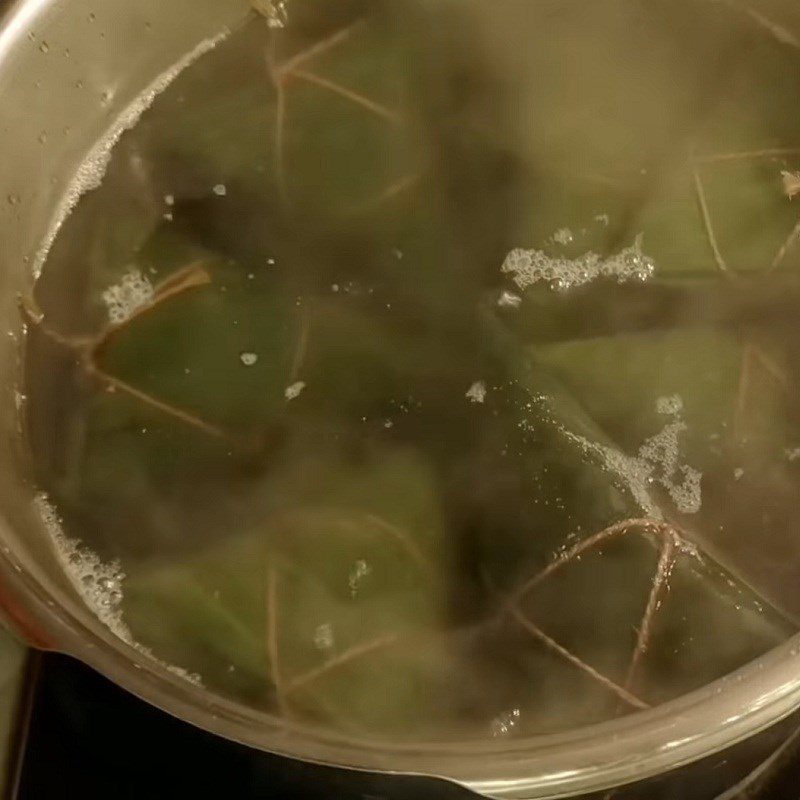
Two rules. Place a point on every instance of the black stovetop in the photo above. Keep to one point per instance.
(85, 738)
(79, 736)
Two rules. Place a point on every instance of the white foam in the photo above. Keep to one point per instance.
(657, 462)
(564, 236)
(294, 391)
(477, 392)
(509, 300)
(360, 570)
(98, 583)
(91, 172)
(669, 405)
(534, 266)
(125, 298)
(791, 183)
(634, 472)
(681, 481)
(324, 637)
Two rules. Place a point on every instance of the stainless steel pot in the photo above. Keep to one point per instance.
(67, 72)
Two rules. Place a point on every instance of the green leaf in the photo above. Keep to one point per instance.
(619, 378)
(353, 547)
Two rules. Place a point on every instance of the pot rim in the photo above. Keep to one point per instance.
(584, 760)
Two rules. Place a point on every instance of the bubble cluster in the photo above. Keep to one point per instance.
(509, 300)
(791, 183)
(669, 405)
(361, 569)
(564, 236)
(657, 462)
(123, 299)
(323, 637)
(91, 172)
(661, 454)
(98, 583)
(294, 391)
(477, 392)
(534, 266)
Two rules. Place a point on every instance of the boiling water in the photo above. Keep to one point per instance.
(431, 370)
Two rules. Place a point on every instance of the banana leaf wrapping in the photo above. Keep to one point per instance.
(278, 446)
